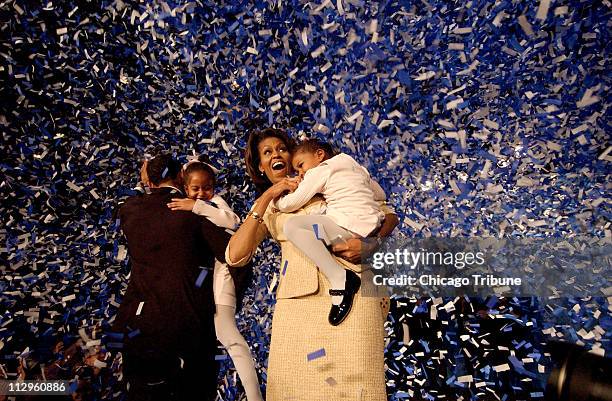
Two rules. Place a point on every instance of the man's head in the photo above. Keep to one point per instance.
(309, 154)
(163, 170)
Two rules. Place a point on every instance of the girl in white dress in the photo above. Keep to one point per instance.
(199, 178)
(353, 211)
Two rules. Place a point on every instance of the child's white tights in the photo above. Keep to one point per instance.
(301, 232)
(238, 349)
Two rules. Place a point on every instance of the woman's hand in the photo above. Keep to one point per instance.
(182, 204)
(284, 185)
(349, 250)
(354, 249)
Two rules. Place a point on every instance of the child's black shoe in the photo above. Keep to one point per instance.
(338, 313)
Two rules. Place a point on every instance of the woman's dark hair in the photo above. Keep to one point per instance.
(162, 168)
(312, 145)
(198, 166)
(251, 154)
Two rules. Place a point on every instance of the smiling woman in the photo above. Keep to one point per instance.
(307, 354)
(268, 157)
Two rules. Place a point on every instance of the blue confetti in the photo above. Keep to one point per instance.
(320, 353)
(315, 227)
(285, 267)
(134, 333)
(201, 277)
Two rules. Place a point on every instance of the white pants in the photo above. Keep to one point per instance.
(228, 333)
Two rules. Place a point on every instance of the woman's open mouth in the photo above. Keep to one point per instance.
(278, 165)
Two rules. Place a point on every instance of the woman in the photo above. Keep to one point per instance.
(309, 359)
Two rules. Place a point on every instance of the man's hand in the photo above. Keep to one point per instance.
(349, 250)
(181, 204)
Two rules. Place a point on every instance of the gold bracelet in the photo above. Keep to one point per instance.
(255, 216)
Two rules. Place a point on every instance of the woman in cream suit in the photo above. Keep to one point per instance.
(310, 360)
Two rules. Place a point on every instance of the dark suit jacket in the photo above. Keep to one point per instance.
(166, 251)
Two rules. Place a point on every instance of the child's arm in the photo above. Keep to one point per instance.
(222, 215)
(313, 183)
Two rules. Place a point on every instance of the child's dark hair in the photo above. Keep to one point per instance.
(312, 145)
(162, 168)
(199, 165)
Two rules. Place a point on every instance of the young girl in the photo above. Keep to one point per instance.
(353, 211)
(199, 180)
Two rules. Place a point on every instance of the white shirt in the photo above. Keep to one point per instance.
(352, 196)
(221, 216)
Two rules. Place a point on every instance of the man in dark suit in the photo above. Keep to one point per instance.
(167, 311)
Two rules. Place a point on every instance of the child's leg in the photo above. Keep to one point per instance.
(238, 349)
(300, 231)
